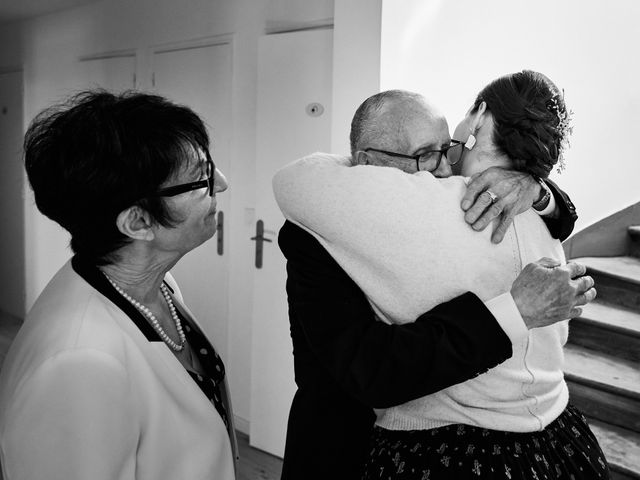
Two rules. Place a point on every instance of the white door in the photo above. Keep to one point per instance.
(12, 260)
(115, 73)
(200, 78)
(293, 120)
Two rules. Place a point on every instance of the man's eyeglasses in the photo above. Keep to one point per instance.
(187, 187)
(427, 161)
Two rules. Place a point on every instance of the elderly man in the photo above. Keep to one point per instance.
(347, 362)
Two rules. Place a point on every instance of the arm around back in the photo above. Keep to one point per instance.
(561, 225)
(380, 364)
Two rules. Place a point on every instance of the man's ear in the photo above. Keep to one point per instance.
(135, 223)
(361, 158)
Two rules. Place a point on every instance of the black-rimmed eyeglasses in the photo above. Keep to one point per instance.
(187, 187)
(427, 161)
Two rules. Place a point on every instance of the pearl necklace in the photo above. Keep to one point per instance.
(152, 318)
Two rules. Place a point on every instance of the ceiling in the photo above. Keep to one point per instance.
(14, 10)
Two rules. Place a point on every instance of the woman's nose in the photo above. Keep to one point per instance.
(220, 182)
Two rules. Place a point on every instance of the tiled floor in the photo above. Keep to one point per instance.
(254, 464)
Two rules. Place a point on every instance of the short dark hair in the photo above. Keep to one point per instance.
(97, 153)
(526, 109)
(368, 110)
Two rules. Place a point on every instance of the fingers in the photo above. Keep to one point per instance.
(584, 283)
(585, 293)
(476, 186)
(586, 297)
(500, 231)
(576, 269)
(483, 212)
(575, 312)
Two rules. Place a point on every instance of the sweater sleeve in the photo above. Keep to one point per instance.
(382, 365)
(338, 202)
(326, 196)
(73, 420)
(401, 237)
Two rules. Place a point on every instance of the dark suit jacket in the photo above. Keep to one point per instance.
(346, 362)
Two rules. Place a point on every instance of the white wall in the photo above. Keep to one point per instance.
(449, 50)
(356, 63)
(51, 46)
(10, 46)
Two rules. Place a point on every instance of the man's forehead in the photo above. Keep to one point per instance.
(414, 123)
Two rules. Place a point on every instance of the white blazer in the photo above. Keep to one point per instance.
(85, 396)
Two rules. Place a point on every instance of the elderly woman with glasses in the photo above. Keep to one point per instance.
(111, 377)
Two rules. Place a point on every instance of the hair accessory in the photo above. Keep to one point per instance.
(564, 129)
(471, 141)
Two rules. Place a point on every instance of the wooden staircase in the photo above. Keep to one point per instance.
(602, 357)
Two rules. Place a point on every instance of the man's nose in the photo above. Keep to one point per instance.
(444, 169)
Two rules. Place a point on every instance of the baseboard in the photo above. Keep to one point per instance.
(242, 424)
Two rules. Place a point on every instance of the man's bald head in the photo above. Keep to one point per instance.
(367, 122)
(399, 121)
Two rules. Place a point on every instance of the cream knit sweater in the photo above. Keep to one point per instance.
(404, 241)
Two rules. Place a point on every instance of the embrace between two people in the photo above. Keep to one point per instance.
(401, 235)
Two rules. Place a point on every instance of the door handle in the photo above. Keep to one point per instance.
(220, 232)
(259, 239)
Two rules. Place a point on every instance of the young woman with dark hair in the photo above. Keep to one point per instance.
(519, 121)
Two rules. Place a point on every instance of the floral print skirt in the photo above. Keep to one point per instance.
(566, 449)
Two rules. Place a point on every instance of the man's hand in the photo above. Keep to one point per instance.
(546, 293)
(515, 192)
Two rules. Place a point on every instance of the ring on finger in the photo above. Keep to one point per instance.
(492, 196)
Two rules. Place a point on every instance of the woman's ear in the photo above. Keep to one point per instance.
(479, 117)
(135, 223)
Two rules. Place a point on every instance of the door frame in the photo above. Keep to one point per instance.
(26, 199)
(108, 54)
(273, 384)
(128, 53)
(199, 42)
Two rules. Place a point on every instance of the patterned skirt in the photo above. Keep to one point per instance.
(566, 449)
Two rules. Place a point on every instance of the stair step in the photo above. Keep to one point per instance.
(611, 316)
(603, 386)
(617, 279)
(611, 373)
(621, 447)
(622, 268)
(607, 328)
